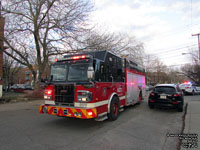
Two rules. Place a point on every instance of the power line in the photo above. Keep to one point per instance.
(150, 60)
(177, 53)
(170, 57)
(172, 50)
(177, 46)
(171, 33)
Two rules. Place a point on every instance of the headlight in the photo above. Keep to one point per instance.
(47, 97)
(49, 93)
(84, 96)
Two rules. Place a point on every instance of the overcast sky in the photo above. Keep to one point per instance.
(164, 26)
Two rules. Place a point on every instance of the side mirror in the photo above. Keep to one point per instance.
(90, 72)
(45, 80)
(51, 78)
(111, 78)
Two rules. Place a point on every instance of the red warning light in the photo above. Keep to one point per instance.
(83, 56)
(48, 92)
(79, 57)
(75, 57)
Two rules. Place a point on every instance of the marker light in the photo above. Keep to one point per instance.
(175, 95)
(49, 93)
(89, 113)
(152, 94)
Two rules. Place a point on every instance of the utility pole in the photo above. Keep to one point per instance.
(198, 34)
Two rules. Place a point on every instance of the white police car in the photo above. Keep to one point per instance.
(189, 88)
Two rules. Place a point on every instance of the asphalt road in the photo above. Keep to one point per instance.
(138, 127)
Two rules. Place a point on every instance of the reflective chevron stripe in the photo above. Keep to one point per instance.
(71, 112)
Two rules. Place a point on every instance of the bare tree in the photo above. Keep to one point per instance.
(192, 71)
(38, 29)
(156, 71)
(120, 44)
(10, 70)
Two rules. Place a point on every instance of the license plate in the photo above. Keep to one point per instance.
(163, 97)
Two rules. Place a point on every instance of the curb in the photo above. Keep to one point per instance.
(183, 126)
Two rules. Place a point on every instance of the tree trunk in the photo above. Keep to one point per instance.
(35, 83)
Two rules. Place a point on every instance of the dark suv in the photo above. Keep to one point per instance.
(166, 95)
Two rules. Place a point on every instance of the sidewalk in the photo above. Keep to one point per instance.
(192, 125)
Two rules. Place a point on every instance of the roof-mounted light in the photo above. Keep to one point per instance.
(79, 57)
(187, 82)
(76, 57)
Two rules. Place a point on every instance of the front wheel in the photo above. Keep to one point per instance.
(114, 109)
(193, 92)
(180, 108)
(151, 106)
(140, 98)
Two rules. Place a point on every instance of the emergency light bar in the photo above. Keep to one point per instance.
(187, 82)
(75, 57)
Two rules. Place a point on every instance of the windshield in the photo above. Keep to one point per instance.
(78, 72)
(185, 85)
(70, 72)
(164, 89)
(58, 72)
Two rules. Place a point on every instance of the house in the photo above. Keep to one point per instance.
(25, 76)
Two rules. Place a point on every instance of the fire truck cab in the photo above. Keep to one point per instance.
(93, 85)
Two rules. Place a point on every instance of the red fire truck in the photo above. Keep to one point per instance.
(93, 85)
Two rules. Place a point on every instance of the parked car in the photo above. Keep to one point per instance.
(28, 87)
(169, 95)
(189, 88)
(149, 87)
(18, 87)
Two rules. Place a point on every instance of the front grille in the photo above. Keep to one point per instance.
(64, 94)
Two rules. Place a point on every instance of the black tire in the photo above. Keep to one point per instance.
(151, 106)
(193, 92)
(140, 98)
(114, 109)
(180, 108)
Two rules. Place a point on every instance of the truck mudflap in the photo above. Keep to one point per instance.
(69, 112)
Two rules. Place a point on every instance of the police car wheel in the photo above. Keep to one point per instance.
(193, 92)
